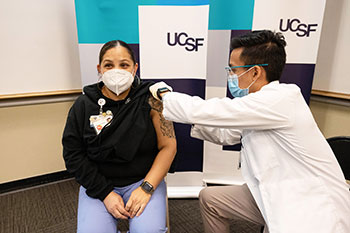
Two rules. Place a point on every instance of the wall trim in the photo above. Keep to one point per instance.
(37, 100)
(330, 100)
(34, 181)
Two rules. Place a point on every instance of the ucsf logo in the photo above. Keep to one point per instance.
(182, 39)
(295, 25)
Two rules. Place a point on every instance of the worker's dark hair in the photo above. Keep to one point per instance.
(263, 47)
(115, 43)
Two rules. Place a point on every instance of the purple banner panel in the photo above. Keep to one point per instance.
(301, 75)
(235, 33)
(136, 49)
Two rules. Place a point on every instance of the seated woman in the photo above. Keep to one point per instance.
(119, 147)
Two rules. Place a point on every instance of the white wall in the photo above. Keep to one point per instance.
(331, 73)
(39, 46)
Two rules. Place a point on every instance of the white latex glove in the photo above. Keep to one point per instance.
(154, 88)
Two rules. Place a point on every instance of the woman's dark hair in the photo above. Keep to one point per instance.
(263, 47)
(115, 43)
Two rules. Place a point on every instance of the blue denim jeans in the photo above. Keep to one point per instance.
(93, 216)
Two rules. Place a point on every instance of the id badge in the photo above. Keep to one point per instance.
(98, 122)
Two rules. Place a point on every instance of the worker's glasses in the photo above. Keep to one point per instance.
(229, 71)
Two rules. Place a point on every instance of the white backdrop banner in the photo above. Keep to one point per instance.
(172, 46)
(299, 21)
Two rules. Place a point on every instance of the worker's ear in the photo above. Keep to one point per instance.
(99, 69)
(257, 72)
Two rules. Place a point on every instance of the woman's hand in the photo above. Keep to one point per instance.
(115, 206)
(137, 202)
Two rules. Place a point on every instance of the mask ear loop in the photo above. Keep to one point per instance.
(244, 74)
(136, 82)
(99, 75)
(252, 82)
(246, 71)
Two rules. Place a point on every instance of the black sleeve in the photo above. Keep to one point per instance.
(74, 153)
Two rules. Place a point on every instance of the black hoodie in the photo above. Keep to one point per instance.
(122, 153)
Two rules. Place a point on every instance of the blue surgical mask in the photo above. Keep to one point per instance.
(233, 86)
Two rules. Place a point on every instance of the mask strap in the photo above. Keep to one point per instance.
(245, 71)
(99, 75)
(136, 81)
(251, 84)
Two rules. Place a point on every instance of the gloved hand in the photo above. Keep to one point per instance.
(161, 86)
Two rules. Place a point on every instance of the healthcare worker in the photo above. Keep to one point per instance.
(294, 183)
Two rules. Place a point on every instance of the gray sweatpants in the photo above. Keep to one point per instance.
(219, 204)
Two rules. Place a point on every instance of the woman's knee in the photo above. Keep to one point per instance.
(93, 216)
(95, 227)
(152, 227)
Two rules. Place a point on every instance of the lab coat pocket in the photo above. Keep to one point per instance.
(298, 205)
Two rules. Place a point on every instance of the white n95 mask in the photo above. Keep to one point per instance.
(117, 80)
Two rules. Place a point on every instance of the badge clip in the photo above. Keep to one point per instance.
(98, 122)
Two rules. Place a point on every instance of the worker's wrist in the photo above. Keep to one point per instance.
(162, 91)
(163, 94)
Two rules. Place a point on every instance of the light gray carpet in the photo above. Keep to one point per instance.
(52, 208)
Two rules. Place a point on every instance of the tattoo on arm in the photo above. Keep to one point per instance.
(155, 104)
(166, 127)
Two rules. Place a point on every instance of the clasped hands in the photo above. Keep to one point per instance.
(134, 207)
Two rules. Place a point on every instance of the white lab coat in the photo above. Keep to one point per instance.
(286, 162)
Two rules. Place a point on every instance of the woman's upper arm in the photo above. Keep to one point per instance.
(164, 128)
